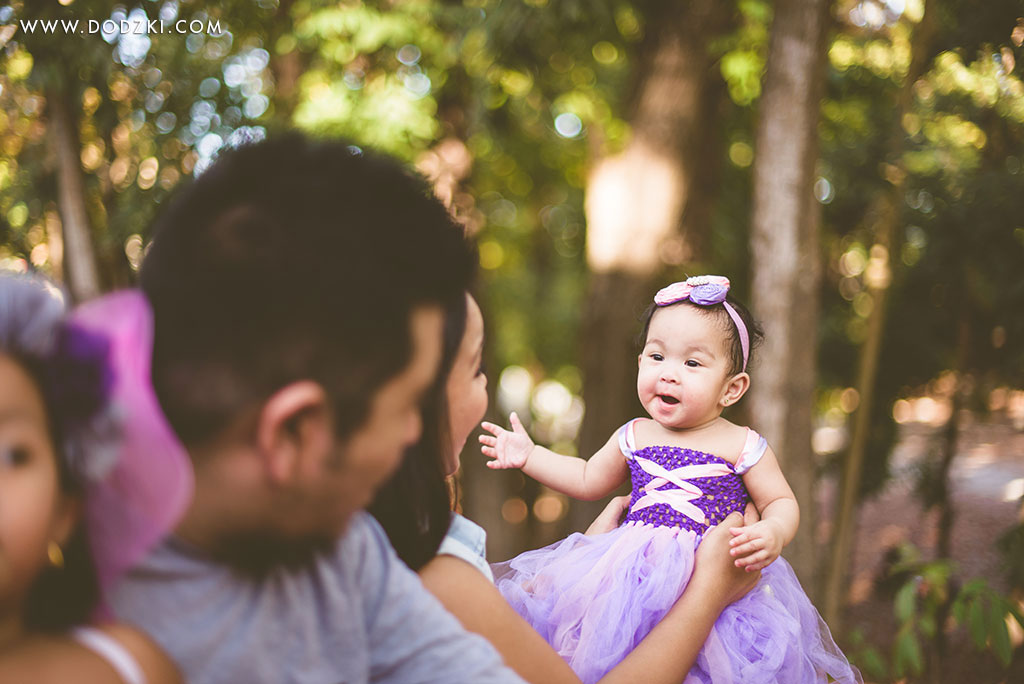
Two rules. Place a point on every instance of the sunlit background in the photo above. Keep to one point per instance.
(539, 125)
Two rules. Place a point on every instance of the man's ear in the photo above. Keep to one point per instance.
(294, 426)
(734, 390)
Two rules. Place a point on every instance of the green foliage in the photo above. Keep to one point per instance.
(956, 258)
(1011, 544)
(373, 75)
(745, 50)
(930, 605)
(152, 108)
(866, 657)
(986, 613)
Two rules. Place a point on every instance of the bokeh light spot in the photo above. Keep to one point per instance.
(568, 125)
(409, 54)
(492, 255)
(605, 53)
(741, 154)
(514, 510)
(549, 508)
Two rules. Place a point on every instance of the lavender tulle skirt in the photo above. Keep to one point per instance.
(595, 598)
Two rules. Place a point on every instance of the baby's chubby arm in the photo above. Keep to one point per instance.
(576, 477)
(755, 546)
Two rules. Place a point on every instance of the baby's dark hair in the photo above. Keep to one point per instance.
(754, 331)
(72, 388)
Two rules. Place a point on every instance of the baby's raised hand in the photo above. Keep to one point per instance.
(755, 546)
(508, 448)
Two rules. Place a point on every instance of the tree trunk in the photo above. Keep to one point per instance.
(79, 255)
(643, 210)
(878, 276)
(786, 276)
(944, 498)
(287, 67)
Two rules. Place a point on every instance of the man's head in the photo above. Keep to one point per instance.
(296, 290)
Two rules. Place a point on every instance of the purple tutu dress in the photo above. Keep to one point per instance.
(595, 598)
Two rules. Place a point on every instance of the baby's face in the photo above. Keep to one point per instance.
(33, 511)
(684, 367)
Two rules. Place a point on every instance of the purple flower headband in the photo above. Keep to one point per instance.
(80, 379)
(706, 290)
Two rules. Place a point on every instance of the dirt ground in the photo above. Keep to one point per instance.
(987, 484)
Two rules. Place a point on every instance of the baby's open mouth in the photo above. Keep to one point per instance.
(667, 399)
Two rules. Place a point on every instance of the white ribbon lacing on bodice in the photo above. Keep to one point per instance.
(677, 499)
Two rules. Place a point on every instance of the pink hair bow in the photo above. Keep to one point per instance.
(703, 290)
(146, 492)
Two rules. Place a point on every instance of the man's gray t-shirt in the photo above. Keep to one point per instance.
(358, 615)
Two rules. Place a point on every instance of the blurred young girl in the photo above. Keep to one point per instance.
(447, 550)
(53, 410)
(595, 598)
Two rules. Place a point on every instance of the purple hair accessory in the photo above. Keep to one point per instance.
(706, 290)
(149, 485)
(708, 294)
(80, 379)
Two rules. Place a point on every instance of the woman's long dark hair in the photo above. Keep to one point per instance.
(414, 507)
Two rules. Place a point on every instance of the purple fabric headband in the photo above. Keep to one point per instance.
(706, 290)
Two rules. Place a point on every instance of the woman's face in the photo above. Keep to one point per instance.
(33, 510)
(467, 385)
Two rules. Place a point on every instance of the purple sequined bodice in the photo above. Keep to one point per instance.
(716, 496)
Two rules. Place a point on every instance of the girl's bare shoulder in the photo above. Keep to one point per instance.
(45, 659)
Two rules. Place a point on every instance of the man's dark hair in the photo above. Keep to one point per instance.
(290, 259)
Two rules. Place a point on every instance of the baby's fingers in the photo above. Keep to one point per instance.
(495, 430)
(489, 451)
(755, 561)
(740, 535)
(747, 548)
(488, 440)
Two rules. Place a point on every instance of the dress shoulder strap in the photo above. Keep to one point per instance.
(627, 441)
(112, 651)
(753, 450)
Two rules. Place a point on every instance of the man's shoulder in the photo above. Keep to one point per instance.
(363, 551)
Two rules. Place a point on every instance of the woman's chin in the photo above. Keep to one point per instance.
(451, 465)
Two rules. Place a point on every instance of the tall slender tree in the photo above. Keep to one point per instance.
(785, 224)
(886, 213)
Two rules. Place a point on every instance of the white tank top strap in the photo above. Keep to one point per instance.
(627, 441)
(753, 450)
(110, 650)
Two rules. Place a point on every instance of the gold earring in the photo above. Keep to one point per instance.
(55, 555)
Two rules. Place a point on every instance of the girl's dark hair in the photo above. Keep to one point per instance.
(754, 331)
(31, 333)
(415, 505)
